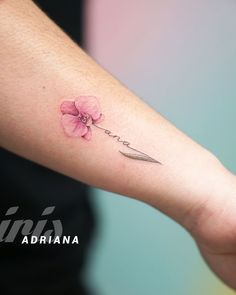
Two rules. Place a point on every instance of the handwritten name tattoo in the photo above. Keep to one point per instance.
(79, 115)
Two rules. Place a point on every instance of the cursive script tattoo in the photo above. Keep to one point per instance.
(138, 155)
(79, 115)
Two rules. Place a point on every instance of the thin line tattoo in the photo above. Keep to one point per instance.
(83, 112)
(140, 156)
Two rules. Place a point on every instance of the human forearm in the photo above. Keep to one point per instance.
(41, 69)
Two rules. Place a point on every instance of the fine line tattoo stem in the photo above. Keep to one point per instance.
(140, 156)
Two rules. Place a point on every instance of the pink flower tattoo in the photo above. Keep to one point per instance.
(79, 115)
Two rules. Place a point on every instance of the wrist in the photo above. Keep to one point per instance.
(218, 194)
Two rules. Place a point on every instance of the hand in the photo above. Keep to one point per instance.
(215, 233)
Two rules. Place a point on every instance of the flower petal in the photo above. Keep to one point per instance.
(88, 105)
(68, 107)
(73, 126)
(88, 135)
(99, 120)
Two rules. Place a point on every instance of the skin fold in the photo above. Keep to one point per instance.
(41, 68)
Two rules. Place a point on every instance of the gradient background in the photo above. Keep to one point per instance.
(179, 56)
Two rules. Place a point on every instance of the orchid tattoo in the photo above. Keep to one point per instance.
(83, 113)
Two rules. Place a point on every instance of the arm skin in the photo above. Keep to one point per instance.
(41, 67)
